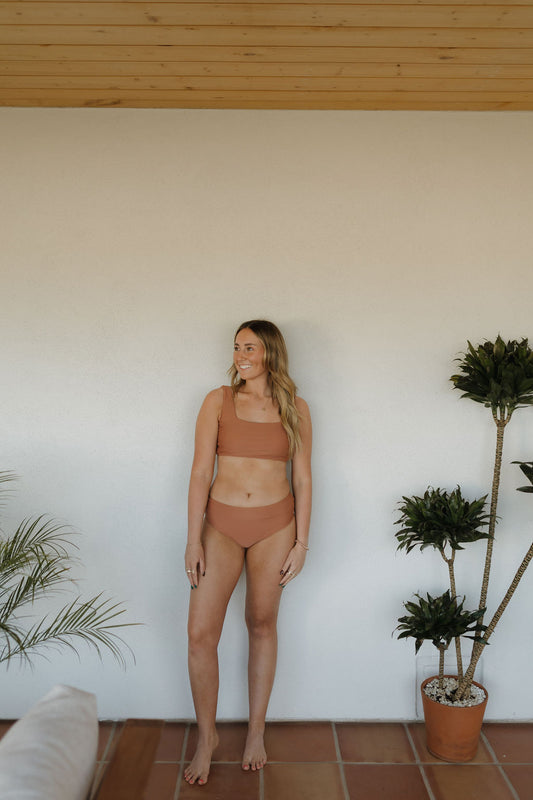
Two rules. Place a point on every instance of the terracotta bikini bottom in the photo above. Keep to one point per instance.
(249, 525)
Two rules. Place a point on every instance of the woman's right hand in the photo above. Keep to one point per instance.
(194, 563)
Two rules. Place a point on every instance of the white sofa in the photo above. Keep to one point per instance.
(50, 753)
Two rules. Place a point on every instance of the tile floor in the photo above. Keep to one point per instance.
(337, 761)
(342, 761)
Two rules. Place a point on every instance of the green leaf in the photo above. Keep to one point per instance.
(499, 375)
(441, 519)
(438, 619)
(527, 469)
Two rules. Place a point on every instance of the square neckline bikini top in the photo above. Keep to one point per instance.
(245, 439)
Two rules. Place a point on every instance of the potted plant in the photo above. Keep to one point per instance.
(500, 376)
(35, 561)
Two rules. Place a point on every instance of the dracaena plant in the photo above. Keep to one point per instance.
(35, 562)
(439, 619)
(499, 375)
(444, 521)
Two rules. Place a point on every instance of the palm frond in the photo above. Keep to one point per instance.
(6, 476)
(35, 562)
(47, 576)
(90, 620)
(35, 537)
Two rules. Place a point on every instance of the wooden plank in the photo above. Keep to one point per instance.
(127, 774)
(264, 84)
(263, 54)
(113, 69)
(340, 96)
(281, 100)
(263, 14)
(421, 3)
(321, 3)
(268, 55)
(281, 105)
(258, 36)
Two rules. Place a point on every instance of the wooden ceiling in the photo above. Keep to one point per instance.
(383, 54)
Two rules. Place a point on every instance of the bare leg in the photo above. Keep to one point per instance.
(263, 564)
(224, 560)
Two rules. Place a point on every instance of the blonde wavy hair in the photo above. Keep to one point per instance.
(281, 384)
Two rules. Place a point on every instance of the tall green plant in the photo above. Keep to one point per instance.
(499, 375)
(445, 521)
(35, 562)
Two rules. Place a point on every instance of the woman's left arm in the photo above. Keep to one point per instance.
(302, 488)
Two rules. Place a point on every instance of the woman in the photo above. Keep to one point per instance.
(251, 519)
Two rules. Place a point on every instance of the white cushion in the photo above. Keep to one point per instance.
(50, 753)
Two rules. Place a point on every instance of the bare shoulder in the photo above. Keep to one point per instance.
(302, 406)
(215, 396)
(213, 402)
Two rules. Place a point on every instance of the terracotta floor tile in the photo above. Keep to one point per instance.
(226, 782)
(105, 731)
(512, 742)
(129, 771)
(303, 782)
(162, 782)
(521, 776)
(303, 763)
(418, 733)
(300, 741)
(371, 742)
(477, 782)
(389, 782)
(232, 737)
(171, 742)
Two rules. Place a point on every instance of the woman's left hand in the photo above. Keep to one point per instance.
(293, 565)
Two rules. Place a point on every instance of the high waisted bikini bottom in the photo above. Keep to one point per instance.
(248, 525)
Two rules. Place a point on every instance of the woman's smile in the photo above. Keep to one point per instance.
(248, 352)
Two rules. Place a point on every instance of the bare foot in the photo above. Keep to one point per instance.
(255, 756)
(198, 769)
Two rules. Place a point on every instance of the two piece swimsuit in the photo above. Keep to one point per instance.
(247, 525)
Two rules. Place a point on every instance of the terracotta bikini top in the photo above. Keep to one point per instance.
(239, 437)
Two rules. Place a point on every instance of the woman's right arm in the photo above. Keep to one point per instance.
(205, 446)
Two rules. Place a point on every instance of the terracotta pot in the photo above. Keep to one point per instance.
(452, 732)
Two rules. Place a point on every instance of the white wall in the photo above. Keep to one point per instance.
(134, 242)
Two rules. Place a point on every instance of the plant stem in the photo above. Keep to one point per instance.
(450, 562)
(462, 690)
(500, 421)
(442, 652)
(510, 591)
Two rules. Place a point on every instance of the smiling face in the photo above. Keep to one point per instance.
(248, 355)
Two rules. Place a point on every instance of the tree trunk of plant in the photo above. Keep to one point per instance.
(467, 681)
(501, 421)
(500, 429)
(510, 591)
(458, 651)
(442, 653)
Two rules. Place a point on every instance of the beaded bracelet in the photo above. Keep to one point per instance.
(297, 541)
